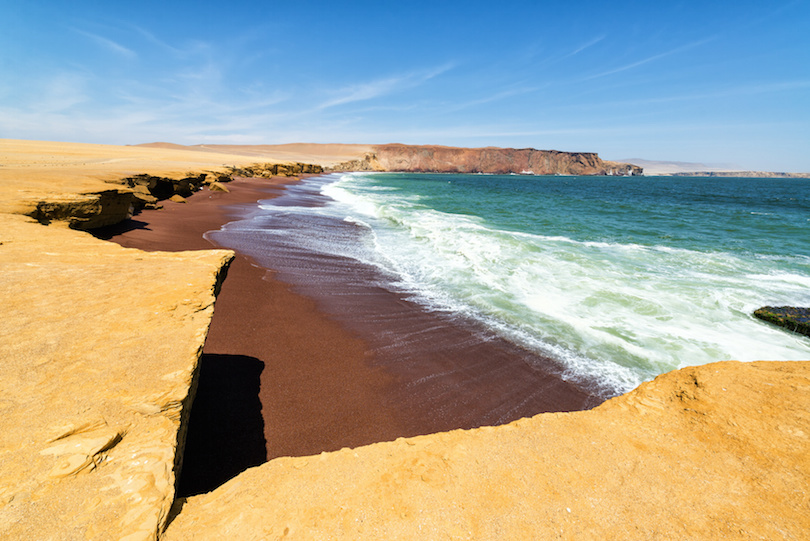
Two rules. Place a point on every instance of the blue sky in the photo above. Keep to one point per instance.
(713, 82)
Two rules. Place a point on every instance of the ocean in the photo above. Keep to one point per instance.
(617, 279)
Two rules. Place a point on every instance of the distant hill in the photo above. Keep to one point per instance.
(654, 168)
(322, 154)
(742, 174)
(693, 169)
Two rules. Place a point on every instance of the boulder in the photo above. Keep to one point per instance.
(218, 187)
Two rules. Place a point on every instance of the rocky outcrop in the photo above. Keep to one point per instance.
(268, 170)
(790, 317)
(84, 210)
(149, 190)
(720, 451)
(527, 161)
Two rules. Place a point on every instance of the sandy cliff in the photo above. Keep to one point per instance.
(98, 359)
(716, 452)
(99, 345)
(99, 349)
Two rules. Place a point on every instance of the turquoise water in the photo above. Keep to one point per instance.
(620, 278)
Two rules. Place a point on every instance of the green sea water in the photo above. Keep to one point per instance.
(620, 278)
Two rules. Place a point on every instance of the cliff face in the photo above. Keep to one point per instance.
(98, 357)
(528, 161)
(99, 345)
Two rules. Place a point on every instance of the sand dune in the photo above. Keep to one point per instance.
(321, 154)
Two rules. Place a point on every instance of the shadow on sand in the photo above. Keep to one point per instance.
(109, 231)
(226, 430)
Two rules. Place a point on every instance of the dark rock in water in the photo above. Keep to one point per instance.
(789, 317)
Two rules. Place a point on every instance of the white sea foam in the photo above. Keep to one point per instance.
(621, 311)
(625, 311)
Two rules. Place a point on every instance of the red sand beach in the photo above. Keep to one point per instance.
(323, 381)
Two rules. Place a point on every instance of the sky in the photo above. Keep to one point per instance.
(715, 82)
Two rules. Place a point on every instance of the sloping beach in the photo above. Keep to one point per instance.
(104, 348)
(329, 382)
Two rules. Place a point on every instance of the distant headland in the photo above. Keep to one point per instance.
(430, 158)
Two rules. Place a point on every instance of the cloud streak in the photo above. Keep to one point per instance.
(649, 59)
(584, 46)
(108, 44)
(381, 87)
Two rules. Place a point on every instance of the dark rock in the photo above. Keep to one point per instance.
(790, 317)
(268, 170)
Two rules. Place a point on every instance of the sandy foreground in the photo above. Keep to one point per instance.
(100, 356)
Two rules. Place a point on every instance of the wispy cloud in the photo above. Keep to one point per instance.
(108, 44)
(61, 92)
(649, 59)
(719, 93)
(492, 98)
(382, 87)
(150, 37)
(584, 46)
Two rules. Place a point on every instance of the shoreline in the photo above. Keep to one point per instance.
(325, 376)
(101, 357)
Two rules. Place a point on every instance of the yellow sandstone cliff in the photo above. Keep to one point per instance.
(715, 452)
(98, 348)
(98, 355)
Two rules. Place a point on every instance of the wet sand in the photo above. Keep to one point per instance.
(334, 363)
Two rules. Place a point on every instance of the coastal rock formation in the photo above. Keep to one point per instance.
(84, 210)
(92, 186)
(268, 170)
(528, 161)
(149, 189)
(713, 452)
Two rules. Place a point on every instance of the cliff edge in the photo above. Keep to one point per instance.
(720, 451)
(99, 345)
(99, 348)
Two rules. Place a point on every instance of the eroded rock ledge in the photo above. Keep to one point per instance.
(99, 349)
